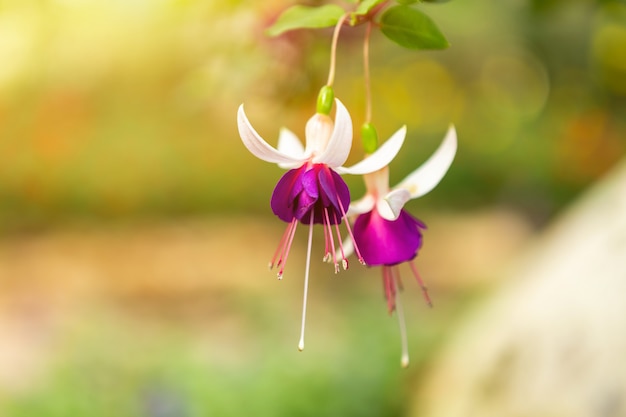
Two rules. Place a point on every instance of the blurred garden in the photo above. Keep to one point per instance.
(135, 228)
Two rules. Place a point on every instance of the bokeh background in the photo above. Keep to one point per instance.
(135, 228)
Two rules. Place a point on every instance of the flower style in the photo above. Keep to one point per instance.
(312, 191)
(388, 235)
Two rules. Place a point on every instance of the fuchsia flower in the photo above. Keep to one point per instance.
(311, 191)
(388, 235)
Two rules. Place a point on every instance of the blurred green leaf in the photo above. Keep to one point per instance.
(365, 6)
(412, 29)
(406, 2)
(304, 17)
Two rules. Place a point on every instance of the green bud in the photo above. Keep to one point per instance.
(369, 138)
(325, 100)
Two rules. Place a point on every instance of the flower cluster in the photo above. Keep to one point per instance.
(312, 191)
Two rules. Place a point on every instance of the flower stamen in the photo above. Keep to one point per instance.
(356, 247)
(284, 246)
(329, 231)
(327, 256)
(344, 261)
(389, 288)
(421, 284)
(279, 249)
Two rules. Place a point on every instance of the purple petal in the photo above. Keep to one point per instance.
(310, 191)
(309, 183)
(334, 190)
(308, 196)
(285, 193)
(386, 242)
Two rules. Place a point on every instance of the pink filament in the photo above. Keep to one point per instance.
(329, 232)
(356, 247)
(421, 284)
(389, 288)
(284, 246)
(344, 261)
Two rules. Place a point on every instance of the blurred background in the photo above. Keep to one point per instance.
(135, 228)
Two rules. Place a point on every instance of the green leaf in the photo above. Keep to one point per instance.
(365, 6)
(411, 28)
(363, 9)
(408, 1)
(432, 1)
(303, 17)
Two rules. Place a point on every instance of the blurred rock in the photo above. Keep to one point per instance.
(552, 340)
(466, 250)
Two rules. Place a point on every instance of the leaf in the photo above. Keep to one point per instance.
(411, 28)
(305, 17)
(362, 10)
(408, 1)
(365, 6)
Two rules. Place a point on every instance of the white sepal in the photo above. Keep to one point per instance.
(362, 205)
(289, 144)
(394, 201)
(428, 175)
(380, 158)
(258, 146)
(340, 141)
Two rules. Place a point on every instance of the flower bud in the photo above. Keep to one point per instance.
(369, 137)
(325, 100)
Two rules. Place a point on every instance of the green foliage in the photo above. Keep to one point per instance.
(366, 5)
(411, 28)
(402, 24)
(303, 17)
(169, 368)
(362, 10)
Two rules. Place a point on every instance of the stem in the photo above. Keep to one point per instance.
(333, 50)
(366, 73)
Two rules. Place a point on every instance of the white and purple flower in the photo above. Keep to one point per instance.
(312, 191)
(386, 234)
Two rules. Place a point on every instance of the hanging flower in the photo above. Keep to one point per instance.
(312, 191)
(386, 234)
